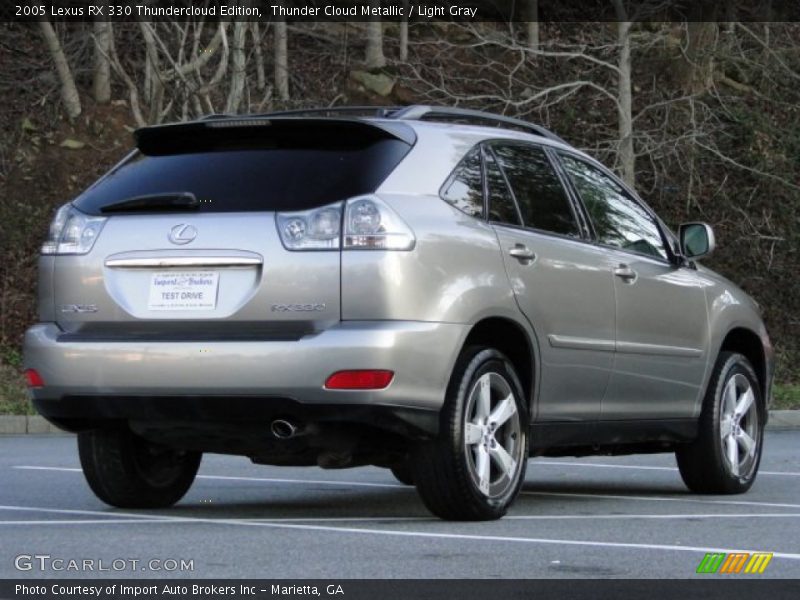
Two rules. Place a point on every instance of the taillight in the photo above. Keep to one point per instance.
(369, 224)
(317, 229)
(72, 232)
(364, 379)
(33, 378)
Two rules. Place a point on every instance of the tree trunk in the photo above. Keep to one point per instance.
(154, 87)
(238, 65)
(404, 35)
(698, 70)
(627, 158)
(696, 74)
(281, 60)
(374, 56)
(532, 9)
(261, 78)
(69, 93)
(101, 87)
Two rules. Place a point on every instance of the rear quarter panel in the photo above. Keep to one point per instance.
(453, 274)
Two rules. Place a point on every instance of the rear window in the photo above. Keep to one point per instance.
(288, 176)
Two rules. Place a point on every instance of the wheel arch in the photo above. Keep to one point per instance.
(748, 343)
(512, 339)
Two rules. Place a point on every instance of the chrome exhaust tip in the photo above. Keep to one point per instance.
(283, 429)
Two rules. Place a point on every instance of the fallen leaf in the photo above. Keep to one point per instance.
(72, 144)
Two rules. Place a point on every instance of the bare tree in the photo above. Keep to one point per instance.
(532, 13)
(404, 34)
(697, 72)
(238, 66)
(375, 58)
(627, 158)
(261, 78)
(281, 59)
(153, 80)
(101, 86)
(69, 93)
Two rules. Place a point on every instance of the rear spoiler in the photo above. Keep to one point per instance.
(221, 133)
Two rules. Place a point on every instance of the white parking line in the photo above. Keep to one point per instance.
(34, 468)
(626, 516)
(174, 520)
(553, 463)
(411, 488)
(83, 522)
(420, 534)
(264, 479)
(661, 499)
(309, 481)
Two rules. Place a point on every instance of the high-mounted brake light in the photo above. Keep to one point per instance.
(364, 379)
(33, 379)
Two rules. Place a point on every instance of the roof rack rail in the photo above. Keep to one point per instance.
(415, 112)
(367, 111)
(420, 112)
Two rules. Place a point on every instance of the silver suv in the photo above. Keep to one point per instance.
(440, 292)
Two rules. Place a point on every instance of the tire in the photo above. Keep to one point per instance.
(725, 457)
(126, 471)
(461, 475)
(403, 474)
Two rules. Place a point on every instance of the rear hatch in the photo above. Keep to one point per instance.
(190, 246)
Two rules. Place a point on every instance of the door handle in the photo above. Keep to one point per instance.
(625, 273)
(522, 253)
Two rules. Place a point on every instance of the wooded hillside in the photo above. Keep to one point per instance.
(702, 117)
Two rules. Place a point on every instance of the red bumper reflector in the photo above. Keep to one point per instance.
(359, 380)
(33, 378)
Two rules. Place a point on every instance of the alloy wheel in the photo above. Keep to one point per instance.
(739, 427)
(492, 435)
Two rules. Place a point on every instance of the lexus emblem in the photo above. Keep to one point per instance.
(182, 234)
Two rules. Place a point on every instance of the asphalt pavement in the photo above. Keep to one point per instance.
(608, 517)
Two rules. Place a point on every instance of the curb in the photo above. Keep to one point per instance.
(24, 424)
(784, 419)
(34, 424)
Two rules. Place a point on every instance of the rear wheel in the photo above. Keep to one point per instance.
(724, 458)
(475, 469)
(127, 471)
(402, 472)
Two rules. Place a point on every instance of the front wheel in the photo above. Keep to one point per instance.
(724, 458)
(474, 471)
(127, 471)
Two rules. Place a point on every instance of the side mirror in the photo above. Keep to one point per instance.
(697, 239)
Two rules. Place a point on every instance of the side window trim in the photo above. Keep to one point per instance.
(486, 149)
(632, 196)
(584, 222)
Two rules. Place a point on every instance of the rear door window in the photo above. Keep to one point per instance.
(541, 198)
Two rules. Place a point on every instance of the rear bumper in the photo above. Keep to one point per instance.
(232, 380)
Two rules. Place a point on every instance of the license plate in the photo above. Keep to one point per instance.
(186, 290)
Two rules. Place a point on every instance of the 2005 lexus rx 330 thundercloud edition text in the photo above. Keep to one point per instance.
(441, 292)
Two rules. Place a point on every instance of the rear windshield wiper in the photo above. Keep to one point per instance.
(171, 201)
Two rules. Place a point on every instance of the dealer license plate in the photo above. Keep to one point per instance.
(185, 290)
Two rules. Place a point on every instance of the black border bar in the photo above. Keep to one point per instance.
(398, 10)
